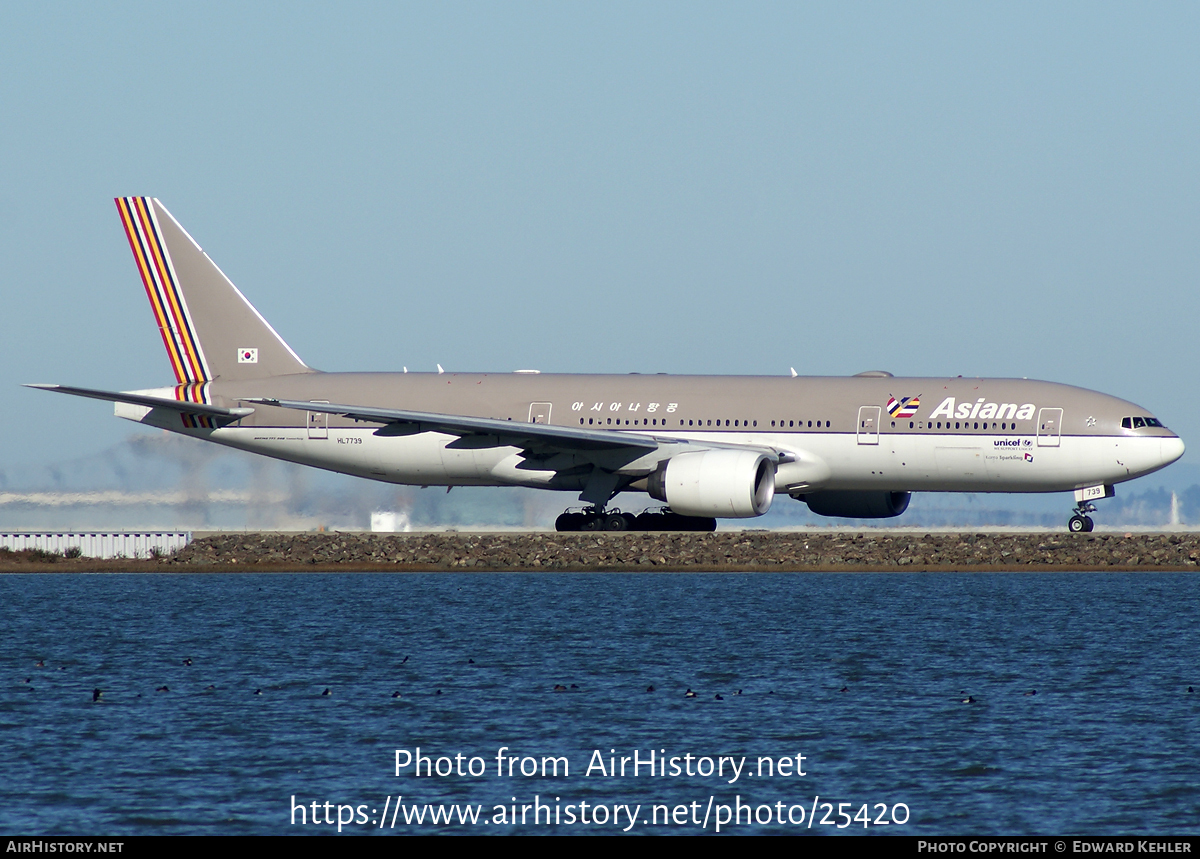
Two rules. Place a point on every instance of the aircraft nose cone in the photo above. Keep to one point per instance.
(1170, 449)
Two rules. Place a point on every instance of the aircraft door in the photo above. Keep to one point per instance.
(318, 423)
(539, 413)
(1049, 427)
(868, 424)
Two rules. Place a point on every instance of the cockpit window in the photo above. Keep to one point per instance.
(1140, 422)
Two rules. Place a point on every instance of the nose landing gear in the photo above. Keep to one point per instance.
(1081, 522)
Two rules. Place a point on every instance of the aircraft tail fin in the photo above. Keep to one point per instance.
(208, 327)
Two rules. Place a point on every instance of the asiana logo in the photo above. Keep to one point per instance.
(984, 410)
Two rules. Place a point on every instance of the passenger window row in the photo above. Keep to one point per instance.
(800, 424)
(963, 425)
(1005, 426)
(636, 422)
(654, 422)
(700, 422)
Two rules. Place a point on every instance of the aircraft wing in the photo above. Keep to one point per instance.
(181, 406)
(508, 433)
(528, 436)
(607, 451)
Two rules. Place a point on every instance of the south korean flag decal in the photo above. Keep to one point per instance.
(247, 356)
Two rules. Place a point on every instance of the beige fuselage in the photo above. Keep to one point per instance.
(966, 435)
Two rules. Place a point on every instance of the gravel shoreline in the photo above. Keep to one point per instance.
(733, 551)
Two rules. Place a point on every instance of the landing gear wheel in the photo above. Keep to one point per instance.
(594, 522)
(666, 520)
(615, 522)
(568, 522)
(1080, 524)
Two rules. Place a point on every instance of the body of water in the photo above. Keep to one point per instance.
(940, 703)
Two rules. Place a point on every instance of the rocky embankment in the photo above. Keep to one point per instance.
(724, 551)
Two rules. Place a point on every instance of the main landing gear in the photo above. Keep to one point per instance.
(596, 519)
(1081, 523)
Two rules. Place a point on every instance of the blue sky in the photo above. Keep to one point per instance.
(994, 190)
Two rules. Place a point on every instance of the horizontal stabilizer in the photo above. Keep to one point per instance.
(181, 406)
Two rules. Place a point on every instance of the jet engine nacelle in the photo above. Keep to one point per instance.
(731, 484)
(857, 505)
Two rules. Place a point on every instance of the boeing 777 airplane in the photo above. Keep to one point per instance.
(709, 447)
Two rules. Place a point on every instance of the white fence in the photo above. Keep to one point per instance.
(100, 544)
